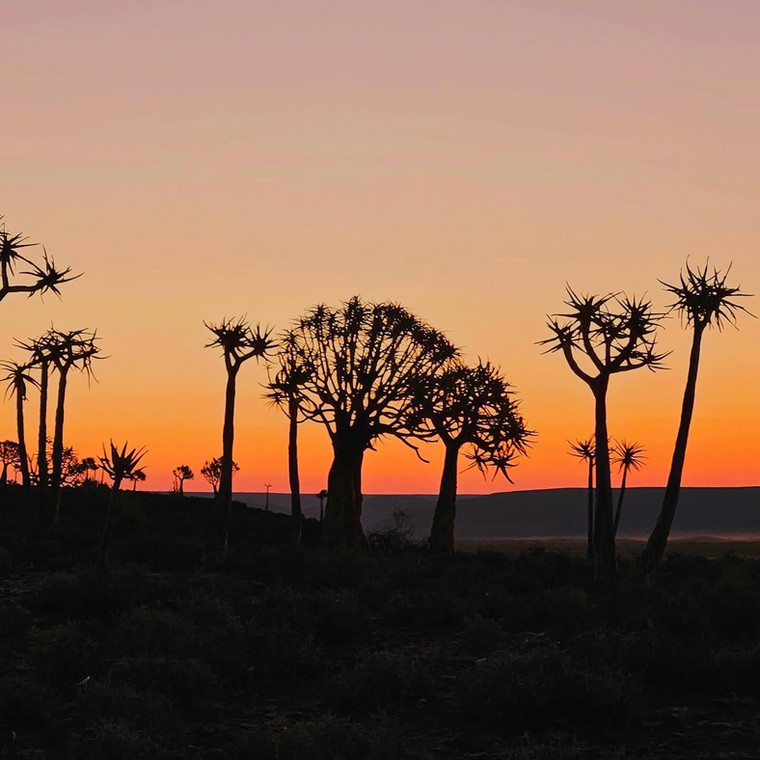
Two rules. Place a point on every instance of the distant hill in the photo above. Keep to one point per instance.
(556, 512)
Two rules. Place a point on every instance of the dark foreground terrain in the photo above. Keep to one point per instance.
(304, 653)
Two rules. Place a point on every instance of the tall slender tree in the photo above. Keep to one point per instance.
(367, 360)
(703, 299)
(470, 408)
(599, 337)
(628, 456)
(586, 452)
(239, 343)
(212, 472)
(74, 349)
(284, 391)
(18, 379)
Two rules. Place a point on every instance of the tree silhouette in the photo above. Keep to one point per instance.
(586, 452)
(138, 476)
(367, 360)
(181, 474)
(212, 472)
(9, 457)
(41, 350)
(119, 466)
(18, 379)
(470, 407)
(702, 299)
(284, 391)
(89, 465)
(37, 278)
(239, 343)
(72, 349)
(601, 336)
(628, 456)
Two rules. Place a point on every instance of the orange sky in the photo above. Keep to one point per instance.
(198, 160)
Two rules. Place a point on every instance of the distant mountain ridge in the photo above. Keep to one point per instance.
(555, 512)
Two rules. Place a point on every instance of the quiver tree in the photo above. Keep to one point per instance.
(41, 350)
(586, 452)
(702, 299)
(211, 472)
(322, 496)
(471, 408)
(284, 391)
(599, 337)
(367, 361)
(181, 474)
(9, 457)
(119, 466)
(20, 274)
(74, 349)
(18, 380)
(627, 456)
(239, 343)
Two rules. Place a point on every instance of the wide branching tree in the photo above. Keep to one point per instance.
(586, 452)
(19, 273)
(367, 361)
(239, 343)
(703, 299)
(211, 472)
(284, 391)
(182, 473)
(601, 336)
(471, 408)
(9, 457)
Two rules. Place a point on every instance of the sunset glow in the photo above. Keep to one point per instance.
(467, 160)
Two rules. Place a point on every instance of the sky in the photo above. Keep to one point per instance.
(467, 159)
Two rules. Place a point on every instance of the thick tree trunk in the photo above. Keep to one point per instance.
(590, 510)
(604, 541)
(621, 495)
(58, 445)
(658, 540)
(42, 462)
(224, 494)
(26, 480)
(342, 520)
(295, 485)
(442, 532)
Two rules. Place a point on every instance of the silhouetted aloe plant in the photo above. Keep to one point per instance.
(367, 359)
(586, 452)
(239, 343)
(18, 379)
(119, 466)
(601, 336)
(181, 474)
(284, 391)
(628, 456)
(470, 407)
(37, 278)
(703, 300)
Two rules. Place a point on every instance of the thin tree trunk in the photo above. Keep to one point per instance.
(23, 461)
(442, 532)
(590, 510)
(58, 444)
(658, 540)
(42, 462)
(4, 474)
(604, 541)
(342, 519)
(295, 485)
(621, 495)
(224, 494)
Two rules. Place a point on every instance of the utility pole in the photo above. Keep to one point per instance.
(266, 503)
